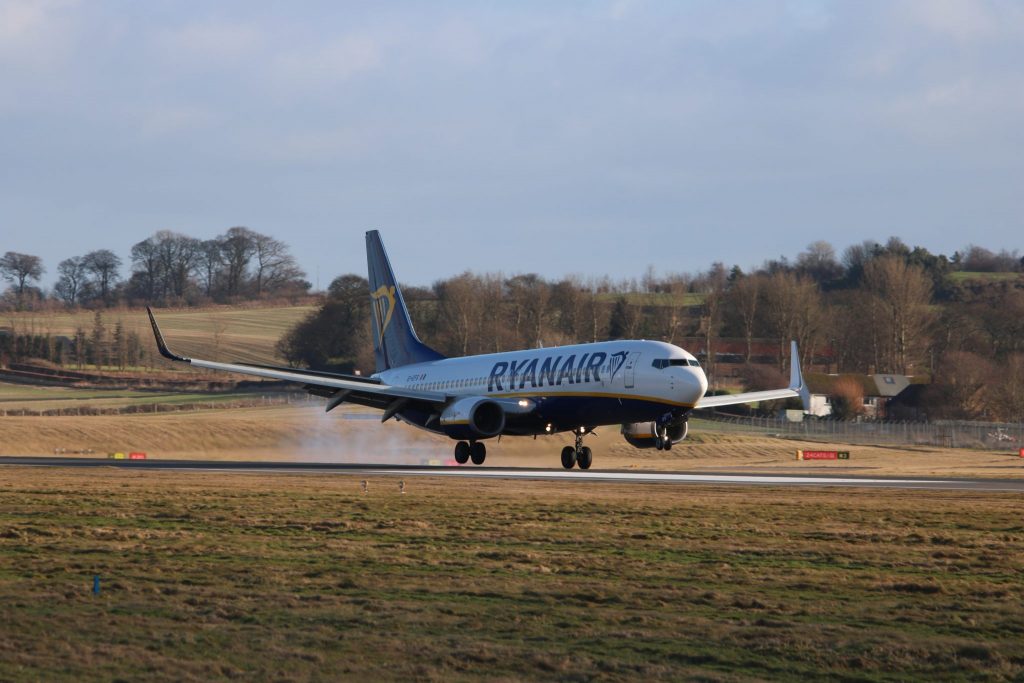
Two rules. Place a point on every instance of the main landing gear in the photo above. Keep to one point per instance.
(474, 450)
(579, 455)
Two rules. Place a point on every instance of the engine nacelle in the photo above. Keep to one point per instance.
(473, 417)
(645, 434)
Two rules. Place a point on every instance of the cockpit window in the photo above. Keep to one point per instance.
(661, 363)
(694, 363)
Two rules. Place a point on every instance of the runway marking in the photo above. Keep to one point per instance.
(535, 474)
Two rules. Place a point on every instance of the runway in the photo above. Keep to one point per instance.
(579, 476)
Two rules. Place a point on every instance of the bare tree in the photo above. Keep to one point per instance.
(460, 310)
(793, 310)
(103, 264)
(273, 266)
(72, 280)
(529, 296)
(713, 286)
(902, 293)
(19, 269)
(744, 303)
(209, 261)
(237, 247)
(147, 266)
(818, 262)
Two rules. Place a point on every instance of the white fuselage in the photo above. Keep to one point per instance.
(647, 371)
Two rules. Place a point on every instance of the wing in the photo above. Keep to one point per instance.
(337, 387)
(796, 388)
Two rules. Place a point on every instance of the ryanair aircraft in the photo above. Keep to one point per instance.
(647, 387)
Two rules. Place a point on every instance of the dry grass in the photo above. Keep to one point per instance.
(216, 332)
(209, 576)
(304, 432)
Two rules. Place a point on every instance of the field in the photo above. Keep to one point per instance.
(295, 577)
(302, 431)
(969, 276)
(245, 334)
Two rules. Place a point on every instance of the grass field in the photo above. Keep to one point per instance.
(38, 398)
(213, 576)
(217, 332)
(968, 276)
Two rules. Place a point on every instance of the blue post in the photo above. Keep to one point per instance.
(96, 585)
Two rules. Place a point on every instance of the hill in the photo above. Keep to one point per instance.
(244, 333)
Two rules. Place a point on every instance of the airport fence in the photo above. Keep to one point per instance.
(944, 433)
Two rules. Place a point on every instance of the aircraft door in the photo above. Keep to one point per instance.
(629, 370)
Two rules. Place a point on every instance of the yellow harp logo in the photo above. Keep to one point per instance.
(383, 308)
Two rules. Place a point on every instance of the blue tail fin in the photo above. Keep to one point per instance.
(394, 340)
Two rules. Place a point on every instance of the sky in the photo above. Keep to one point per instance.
(591, 138)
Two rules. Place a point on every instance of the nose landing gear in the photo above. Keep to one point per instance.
(579, 455)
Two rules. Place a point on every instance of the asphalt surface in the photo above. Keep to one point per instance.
(576, 475)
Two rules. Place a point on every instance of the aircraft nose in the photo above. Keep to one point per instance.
(693, 385)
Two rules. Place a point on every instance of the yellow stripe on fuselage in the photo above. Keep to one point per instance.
(594, 394)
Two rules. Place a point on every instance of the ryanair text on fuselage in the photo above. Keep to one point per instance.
(552, 371)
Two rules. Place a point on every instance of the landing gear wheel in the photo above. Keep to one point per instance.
(658, 443)
(462, 452)
(477, 451)
(568, 457)
(668, 444)
(584, 458)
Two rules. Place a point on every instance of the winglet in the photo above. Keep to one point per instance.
(160, 343)
(796, 378)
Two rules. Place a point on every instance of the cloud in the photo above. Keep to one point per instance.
(35, 33)
(333, 60)
(216, 42)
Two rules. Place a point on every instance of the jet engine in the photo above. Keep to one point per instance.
(645, 434)
(473, 417)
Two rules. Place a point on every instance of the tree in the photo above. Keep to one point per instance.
(147, 266)
(713, 285)
(103, 265)
(624, 320)
(744, 305)
(72, 280)
(274, 266)
(99, 341)
(793, 311)
(460, 311)
(337, 335)
(237, 248)
(847, 398)
(529, 295)
(818, 262)
(210, 260)
(901, 296)
(19, 269)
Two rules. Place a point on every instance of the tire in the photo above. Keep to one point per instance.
(668, 444)
(585, 458)
(568, 457)
(462, 452)
(477, 451)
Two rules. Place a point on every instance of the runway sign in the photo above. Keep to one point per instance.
(1022, 452)
(116, 456)
(136, 456)
(823, 455)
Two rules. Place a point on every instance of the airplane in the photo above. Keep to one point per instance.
(647, 387)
